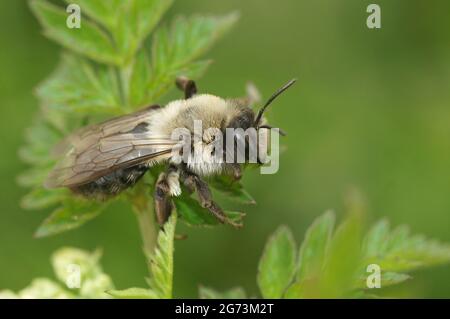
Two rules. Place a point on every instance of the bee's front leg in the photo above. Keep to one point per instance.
(195, 183)
(187, 86)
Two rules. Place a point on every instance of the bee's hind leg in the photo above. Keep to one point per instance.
(167, 185)
(195, 183)
(187, 86)
(163, 204)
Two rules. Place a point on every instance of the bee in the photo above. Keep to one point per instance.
(102, 160)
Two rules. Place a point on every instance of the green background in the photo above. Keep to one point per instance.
(371, 111)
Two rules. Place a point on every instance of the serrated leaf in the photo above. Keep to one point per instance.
(88, 40)
(133, 293)
(143, 90)
(137, 19)
(39, 137)
(173, 49)
(40, 198)
(33, 177)
(72, 214)
(77, 86)
(150, 13)
(399, 251)
(233, 293)
(277, 265)
(314, 246)
(387, 279)
(233, 189)
(376, 239)
(140, 77)
(195, 215)
(161, 261)
(188, 39)
(392, 278)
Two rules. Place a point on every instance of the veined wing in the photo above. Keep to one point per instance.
(97, 150)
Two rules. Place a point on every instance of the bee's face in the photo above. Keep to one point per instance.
(244, 119)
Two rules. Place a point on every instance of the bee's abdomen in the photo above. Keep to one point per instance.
(111, 184)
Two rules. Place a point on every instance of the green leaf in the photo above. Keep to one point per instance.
(346, 259)
(188, 39)
(133, 293)
(195, 215)
(161, 261)
(314, 247)
(72, 214)
(399, 251)
(40, 198)
(149, 14)
(387, 279)
(88, 40)
(233, 189)
(137, 19)
(392, 278)
(174, 49)
(39, 137)
(33, 177)
(336, 258)
(233, 293)
(295, 290)
(342, 260)
(277, 265)
(140, 78)
(77, 86)
(376, 239)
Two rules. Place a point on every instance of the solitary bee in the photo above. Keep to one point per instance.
(102, 160)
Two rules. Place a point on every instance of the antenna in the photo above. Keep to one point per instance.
(271, 99)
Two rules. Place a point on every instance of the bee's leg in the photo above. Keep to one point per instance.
(236, 171)
(167, 185)
(187, 86)
(194, 182)
(163, 205)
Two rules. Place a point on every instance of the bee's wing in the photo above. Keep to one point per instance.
(100, 149)
(93, 133)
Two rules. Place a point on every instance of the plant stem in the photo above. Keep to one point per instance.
(143, 207)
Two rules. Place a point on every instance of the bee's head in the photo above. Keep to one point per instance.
(245, 118)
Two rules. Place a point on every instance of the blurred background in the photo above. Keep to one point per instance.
(371, 111)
